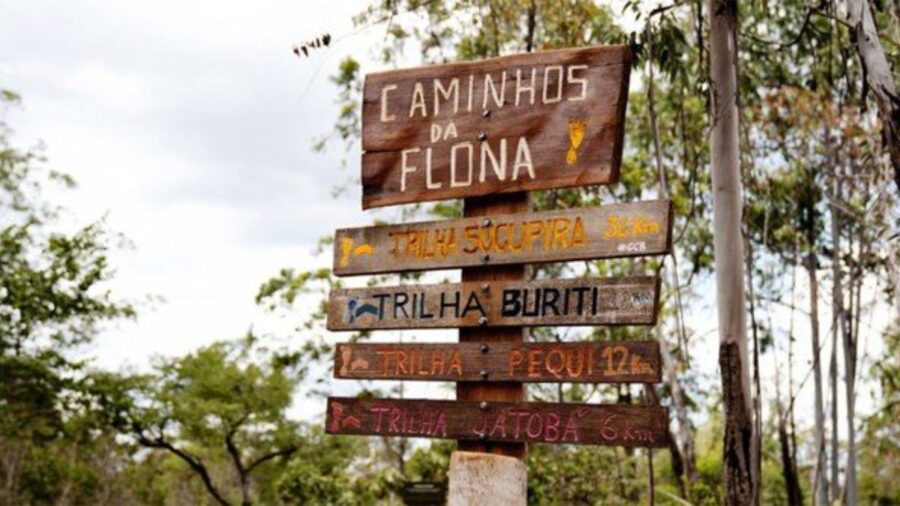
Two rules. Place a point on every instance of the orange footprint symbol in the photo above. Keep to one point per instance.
(576, 135)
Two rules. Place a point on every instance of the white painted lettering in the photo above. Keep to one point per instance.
(385, 117)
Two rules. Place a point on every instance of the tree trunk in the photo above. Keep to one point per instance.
(756, 443)
(837, 321)
(864, 37)
(685, 434)
(791, 480)
(686, 457)
(819, 479)
(790, 415)
(741, 484)
(849, 342)
(834, 453)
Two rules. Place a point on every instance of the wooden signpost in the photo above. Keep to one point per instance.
(585, 301)
(511, 124)
(586, 362)
(613, 231)
(521, 422)
(490, 131)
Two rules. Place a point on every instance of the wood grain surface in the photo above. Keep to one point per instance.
(523, 122)
(582, 362)
(497, 238)
(521, 422)
(581, 301)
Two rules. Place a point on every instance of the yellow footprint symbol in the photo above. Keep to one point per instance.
(347, 249)
(576, 135)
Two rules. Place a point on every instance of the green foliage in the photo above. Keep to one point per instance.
(220, 402)
(52, 299)
(322, 473)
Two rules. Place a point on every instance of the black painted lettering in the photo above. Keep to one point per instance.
(446, 305)
(400, 300)
(511, 305)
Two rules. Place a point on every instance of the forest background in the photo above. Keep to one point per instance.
(239, 420)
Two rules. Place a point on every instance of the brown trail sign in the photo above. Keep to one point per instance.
(611, 231)
(533, 121)
(590, 424)
(585, 362)
(584, 301)
(489, 132)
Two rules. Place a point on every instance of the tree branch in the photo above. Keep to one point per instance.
(269, 456)
(194, 462)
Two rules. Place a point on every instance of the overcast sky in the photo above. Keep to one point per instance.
(189, 125)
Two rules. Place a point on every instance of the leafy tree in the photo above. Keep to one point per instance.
(224, 402)
(52, 300)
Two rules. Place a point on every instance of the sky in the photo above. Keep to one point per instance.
(189, 126)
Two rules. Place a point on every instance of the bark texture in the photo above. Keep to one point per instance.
(479, 478)
(741, 484)
(820, 480)
(864, 37)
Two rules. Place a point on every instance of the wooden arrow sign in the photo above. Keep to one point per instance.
(583, 362)
(612, 231)
(516, 123)
(586, 424)
(584, 301)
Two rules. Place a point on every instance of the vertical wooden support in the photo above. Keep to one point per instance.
(496, 474)
(481, 478)
(474, 391)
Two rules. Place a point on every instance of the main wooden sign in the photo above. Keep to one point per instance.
(592, 424)
(524, 122)
(583, 362)
(616, 230)
(583, 301)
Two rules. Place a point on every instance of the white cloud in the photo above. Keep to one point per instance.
(189, 124)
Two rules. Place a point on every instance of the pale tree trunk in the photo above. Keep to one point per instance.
(834, 482)
(849, 341)
(685, 435)
(785, 420)
(670, 375)
(820, 494)
(756, 447)
(837, 315)
(791, 481)
(791, 420)
(741, 482)
(864, 36)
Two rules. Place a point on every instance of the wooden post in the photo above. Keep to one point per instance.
(499, 476)
(482, 478)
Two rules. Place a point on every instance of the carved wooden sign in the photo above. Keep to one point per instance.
(583, 301)
(590, 424)
(582, 362)
(616, 230)
(516, 123)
